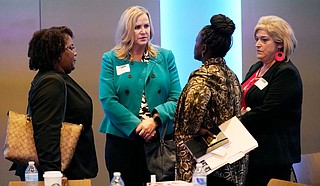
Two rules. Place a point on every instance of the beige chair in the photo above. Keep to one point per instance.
(308, 170)
(277, 182)
(85, 182)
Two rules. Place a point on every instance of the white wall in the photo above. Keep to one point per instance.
(180, 25)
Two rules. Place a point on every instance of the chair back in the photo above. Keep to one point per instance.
(85, 182)
(308, 170)
(277, 182)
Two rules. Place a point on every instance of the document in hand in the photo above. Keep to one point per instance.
(201, 145)
(240, 143)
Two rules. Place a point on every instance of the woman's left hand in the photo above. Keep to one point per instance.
(146, 128)
(204, 131)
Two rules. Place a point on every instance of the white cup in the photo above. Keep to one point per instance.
(52, 178)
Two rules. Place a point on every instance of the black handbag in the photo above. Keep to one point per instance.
(161, 157)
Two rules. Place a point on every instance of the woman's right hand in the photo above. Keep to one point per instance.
(245, 110)
(64, 181)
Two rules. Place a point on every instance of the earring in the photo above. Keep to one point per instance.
(279, 56)
(203, 50)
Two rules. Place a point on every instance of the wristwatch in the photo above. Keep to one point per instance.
(157, 120)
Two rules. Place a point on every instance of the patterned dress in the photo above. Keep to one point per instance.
(211, 97)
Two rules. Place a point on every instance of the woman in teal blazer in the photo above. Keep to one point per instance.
(139, 88)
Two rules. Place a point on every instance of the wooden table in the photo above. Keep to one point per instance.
(86, 182)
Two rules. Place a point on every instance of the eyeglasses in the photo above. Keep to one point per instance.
(71, 48)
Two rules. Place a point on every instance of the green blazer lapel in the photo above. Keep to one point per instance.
(153, 61)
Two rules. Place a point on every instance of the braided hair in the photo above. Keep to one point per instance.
(218, 35)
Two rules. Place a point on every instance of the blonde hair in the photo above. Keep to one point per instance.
(124, 37)
(280, 31)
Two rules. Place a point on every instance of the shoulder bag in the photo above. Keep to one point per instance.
(20, 146)
(161, 157)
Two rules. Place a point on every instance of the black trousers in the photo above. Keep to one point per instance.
(128, 158)
(260, 175)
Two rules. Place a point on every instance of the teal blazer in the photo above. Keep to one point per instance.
(121, 86)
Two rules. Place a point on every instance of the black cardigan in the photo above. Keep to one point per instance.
(275, 116)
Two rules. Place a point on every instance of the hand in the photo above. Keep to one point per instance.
(204, 131)
(149, 137)
(245, 110)
(64, 181)
(146, 128)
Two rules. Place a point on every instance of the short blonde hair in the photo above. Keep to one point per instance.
(124, 37)
(280, 31)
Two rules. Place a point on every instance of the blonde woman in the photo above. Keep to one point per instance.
(139, 88)
(273, 90)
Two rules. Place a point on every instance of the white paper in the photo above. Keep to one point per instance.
(240, 143)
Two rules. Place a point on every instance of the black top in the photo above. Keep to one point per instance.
(47, 104)
(275, 116)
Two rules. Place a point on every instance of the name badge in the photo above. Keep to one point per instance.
(122, 69)
(261, 83)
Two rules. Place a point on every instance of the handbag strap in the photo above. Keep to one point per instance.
(162, 140)
(65, 95)
(164, 131)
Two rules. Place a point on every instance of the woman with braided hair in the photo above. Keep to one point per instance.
(211, 97)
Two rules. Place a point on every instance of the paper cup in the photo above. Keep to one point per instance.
(52, 178)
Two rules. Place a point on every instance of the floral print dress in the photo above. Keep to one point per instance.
(211, 97)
